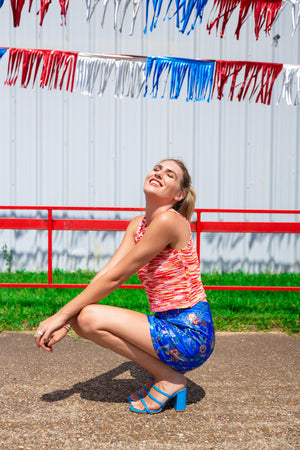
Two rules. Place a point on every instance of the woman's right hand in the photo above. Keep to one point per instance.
(55, 337)
(49, 328)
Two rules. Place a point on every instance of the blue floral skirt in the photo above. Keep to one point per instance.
(183, 338)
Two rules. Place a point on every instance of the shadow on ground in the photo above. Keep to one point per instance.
(109, 388)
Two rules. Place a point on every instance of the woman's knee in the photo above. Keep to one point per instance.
(86, 319)
(90, 325)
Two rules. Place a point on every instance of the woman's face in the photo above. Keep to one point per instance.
(164, 180)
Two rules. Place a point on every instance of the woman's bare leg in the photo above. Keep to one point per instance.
(128, 334)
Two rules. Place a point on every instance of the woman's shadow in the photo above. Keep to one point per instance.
(110, 388)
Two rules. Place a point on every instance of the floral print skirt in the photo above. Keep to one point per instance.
(183, 338)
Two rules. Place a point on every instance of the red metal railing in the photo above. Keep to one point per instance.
(199, 226)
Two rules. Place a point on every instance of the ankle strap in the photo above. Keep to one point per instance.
(161, 392)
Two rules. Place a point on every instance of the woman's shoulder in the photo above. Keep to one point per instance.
(137, 220)
(173, 215)
(135, 223)
(175, 227)
(172, 218)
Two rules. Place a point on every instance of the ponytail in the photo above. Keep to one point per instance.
(186, 206)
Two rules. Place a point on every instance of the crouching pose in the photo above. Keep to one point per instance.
(180, 335)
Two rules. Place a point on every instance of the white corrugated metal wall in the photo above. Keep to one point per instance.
(65, 149)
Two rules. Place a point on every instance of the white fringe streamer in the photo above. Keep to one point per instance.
(295, 12)
(94, 71)
(90, 8)
(291, 77)
(91, 5)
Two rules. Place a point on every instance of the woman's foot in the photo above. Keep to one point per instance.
(143, 391)
(169, 387)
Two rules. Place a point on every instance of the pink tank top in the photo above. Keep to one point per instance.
(172, 278)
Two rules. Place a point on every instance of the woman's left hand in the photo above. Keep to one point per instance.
(46, 329)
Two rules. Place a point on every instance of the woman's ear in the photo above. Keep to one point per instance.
(180, 196)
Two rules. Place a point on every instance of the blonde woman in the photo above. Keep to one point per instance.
(179, 336)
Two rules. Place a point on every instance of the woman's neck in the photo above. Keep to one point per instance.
(153, 210)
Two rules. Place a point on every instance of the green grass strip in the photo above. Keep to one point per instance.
(23, 309)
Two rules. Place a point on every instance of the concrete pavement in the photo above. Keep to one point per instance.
(245, 397)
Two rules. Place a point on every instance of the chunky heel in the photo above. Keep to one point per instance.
(180, 400)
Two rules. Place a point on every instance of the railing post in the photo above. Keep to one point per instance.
(198, 231)
(50, 277)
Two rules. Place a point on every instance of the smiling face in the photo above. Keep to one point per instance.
(164, 181)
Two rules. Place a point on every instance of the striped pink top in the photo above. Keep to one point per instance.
(172, 278)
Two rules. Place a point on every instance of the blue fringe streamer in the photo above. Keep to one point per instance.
(1, 3)
(199, 77)
(2, 50)
(157, 4)
(183, 13)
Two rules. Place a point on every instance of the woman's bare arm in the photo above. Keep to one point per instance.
(127, 244)
(163, 230)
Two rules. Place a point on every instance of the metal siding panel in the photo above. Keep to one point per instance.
(96, 151)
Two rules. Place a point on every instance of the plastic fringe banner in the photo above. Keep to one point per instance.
(91, 5)
(54, 66)
(186, 12)
(136, 75)
(94, 71)
(17, 6)
(197, 74)
(291, 78)
(183, 13)
(265, 13)
(1, 3)
(257, 79)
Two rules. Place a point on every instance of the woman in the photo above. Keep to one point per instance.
(159, 247)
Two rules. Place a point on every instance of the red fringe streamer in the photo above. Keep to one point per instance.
(225, 8)
(265, 12)
(17, 6)
(64, 4)
(56, 66)
(258, 79)
(44, 9)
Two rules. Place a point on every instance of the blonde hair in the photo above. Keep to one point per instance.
(186, 206)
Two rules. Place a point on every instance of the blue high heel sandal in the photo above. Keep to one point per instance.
(179, 401)
(139, 392)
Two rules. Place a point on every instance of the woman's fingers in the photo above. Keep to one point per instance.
(57, 336)
(39, 335)
(41, 340)
(45, 342)
(46, 329)
(45, 345)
